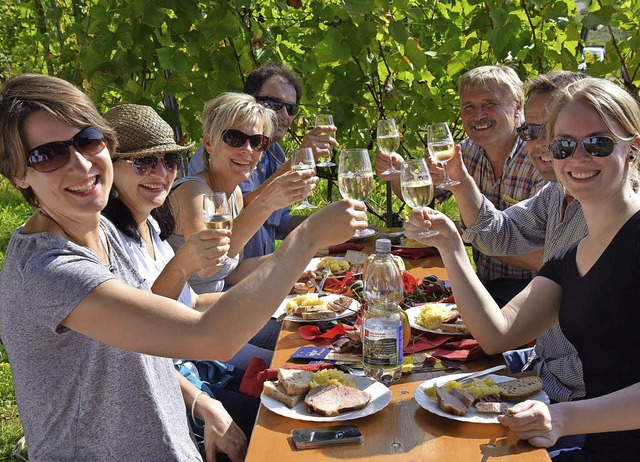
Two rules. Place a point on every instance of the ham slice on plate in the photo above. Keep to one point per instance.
(333, 400)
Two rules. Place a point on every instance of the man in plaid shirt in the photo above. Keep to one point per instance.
(491, 100)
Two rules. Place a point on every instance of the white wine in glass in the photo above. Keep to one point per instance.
(216, 213)
(442, 148)
(417, 186)
(355, 177)
(388, 139)
(302, 159)
(324, 119)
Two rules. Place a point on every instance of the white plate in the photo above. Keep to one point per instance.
(355, 305)
(313, 265)
(472, 415)
(414, 312)
(380, 397)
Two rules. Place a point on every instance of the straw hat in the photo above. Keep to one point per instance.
(141, 132)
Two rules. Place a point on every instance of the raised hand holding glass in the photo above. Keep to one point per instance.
(355, 177)
(302, 159)
(324, 119)
(216, 213)
(417, 186)
(442, 148)
(388, 139)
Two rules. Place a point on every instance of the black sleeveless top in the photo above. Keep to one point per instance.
(600, 315)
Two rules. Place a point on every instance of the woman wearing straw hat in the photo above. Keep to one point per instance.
(145, 165)
(76, 315)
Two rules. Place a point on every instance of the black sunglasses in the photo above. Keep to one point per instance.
(236, 139)
(530, 132)
(144, 165)
(276, 104)
(51, 156)
(597, 146)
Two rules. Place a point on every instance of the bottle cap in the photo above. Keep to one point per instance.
(383, 246)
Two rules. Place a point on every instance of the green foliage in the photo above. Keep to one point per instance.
(360, 59)
(14, 211)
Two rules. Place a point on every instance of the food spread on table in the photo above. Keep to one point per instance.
(485, 395)
(328, 392)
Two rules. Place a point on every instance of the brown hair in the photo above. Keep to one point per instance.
(25, 94)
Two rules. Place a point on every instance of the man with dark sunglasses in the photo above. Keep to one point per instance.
(536, 227)
(278, 88)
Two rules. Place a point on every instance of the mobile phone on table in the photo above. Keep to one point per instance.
(305, 438)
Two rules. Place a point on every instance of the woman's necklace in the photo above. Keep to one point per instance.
(104, 244)
(148, 242)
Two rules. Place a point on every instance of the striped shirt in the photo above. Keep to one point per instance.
(529, 225)
(520, 180)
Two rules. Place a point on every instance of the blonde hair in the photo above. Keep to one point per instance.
(229, 110)
(614, 105)
(26, 94)
(502, 76)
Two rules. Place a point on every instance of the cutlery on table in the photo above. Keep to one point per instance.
(475, 375)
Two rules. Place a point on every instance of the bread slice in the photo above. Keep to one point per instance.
(276, 391)
(295, 381)
(519, 389)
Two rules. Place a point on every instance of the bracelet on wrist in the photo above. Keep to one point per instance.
(193, 408)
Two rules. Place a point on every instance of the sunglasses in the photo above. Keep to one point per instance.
(237, 139)
(597, 146)
(51, 156)
(276, 104)
(530, 132)
(145, 165)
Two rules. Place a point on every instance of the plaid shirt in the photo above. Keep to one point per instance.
(542, 221)
(520, 180)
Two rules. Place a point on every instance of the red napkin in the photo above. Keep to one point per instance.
(342, 248)
(313, 332)
(257, 373)
(414, 253)
(427, 341)
(466, 349)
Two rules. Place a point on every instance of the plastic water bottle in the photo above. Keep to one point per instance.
(382, 335)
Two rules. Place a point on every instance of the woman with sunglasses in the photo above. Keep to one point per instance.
(76, 315)
(145, 166)
(591, 287)
(236, 131)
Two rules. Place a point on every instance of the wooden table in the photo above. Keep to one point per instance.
(403, 430)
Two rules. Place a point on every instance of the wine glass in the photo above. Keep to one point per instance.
(355, 177)
(417, 186)
(324, 119)
(302, 159)
(216, 213)
(442, 148)
(388, 140)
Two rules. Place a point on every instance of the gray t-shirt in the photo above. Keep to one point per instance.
(78, 398)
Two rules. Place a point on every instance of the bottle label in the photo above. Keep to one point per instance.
(382, 347)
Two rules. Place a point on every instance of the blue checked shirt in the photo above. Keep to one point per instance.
(542, 221)
(520, 180)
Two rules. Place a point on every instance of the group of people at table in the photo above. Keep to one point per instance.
(89, 284)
